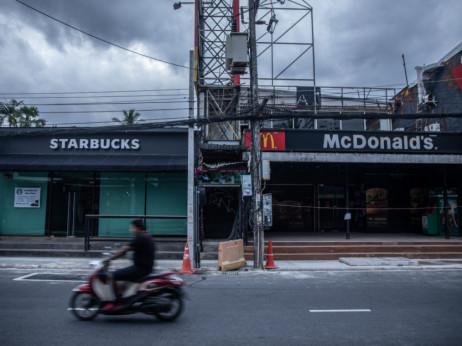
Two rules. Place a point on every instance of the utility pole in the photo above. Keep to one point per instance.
(255, 155)
(191, 212)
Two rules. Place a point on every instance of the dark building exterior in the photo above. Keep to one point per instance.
(438, 89)
(51, 178)
(384, 175)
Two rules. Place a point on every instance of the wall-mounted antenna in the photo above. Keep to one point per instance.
(405, 72)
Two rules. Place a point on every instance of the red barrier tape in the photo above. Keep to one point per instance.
(362, 208)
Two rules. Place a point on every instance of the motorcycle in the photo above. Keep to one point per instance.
(158, 294)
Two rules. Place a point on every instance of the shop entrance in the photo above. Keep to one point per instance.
(293, 209)
(221, 211)
(331, 208)
(307, 208)
(72, 196)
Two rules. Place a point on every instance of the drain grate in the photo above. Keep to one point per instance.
(54, 277)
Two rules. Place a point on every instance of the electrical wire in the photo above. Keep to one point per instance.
(97, 96)
(131, 102)
(183, 122)
(92, 92)
(113, 111)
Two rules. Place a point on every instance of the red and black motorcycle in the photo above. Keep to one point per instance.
(157, 294)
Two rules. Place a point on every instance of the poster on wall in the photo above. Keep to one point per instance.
(377, 207)
(27, 197)
(418, 202)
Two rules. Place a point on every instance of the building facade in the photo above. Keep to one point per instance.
(437, 89)
(52, 178)
(351, 174)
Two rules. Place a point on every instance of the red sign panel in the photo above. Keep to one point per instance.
(269, 140)
(457, 74)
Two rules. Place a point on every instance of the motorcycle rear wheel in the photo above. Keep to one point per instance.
(176, 306)
(84, 306)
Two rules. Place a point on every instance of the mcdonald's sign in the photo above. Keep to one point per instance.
(269, 140)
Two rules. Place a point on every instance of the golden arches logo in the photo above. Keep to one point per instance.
(265, 137)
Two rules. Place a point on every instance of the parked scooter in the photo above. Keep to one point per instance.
(157, 294)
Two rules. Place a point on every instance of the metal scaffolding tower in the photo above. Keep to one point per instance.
(285, 45)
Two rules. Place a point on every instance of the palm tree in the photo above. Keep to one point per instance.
(28, 117)
(10, 112)
(129, 118)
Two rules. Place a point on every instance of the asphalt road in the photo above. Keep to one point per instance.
(251, 308)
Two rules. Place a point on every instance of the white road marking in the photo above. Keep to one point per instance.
(28, 278)
(343, 310)
(24, 277)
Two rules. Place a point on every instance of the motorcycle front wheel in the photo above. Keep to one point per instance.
(84, 306)
(175, 305)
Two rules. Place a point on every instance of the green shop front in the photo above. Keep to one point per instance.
(52, 178)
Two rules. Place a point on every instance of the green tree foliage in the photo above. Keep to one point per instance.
(130, 118)
(17, 115)
(29, 117)
(9, 112)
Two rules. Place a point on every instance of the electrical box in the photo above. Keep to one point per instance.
(236, 53)
(267, 210)
(265, 170)
(246, 181)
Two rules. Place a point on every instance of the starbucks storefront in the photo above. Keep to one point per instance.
(51, 178)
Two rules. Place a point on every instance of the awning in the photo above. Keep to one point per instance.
(99, 162)
(93, 150)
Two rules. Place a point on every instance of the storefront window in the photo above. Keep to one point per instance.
(120, 194)
(166, 194)
(23, 203)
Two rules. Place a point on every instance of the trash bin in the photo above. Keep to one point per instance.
(431, 221)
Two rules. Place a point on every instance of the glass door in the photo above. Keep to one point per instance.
(331, 211)
(72, 197)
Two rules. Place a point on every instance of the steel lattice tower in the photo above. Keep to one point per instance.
(285, 43)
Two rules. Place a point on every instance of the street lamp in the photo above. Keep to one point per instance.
(177, 5)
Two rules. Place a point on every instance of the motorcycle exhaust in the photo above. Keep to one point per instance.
(156, 304)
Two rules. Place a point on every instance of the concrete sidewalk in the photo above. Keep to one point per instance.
(210, 266)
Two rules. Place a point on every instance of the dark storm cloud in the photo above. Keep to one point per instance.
(360, 42)
(121, 22)
(357, 43)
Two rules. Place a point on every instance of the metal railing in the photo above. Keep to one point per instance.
(143, 217)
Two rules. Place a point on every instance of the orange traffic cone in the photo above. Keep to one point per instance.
(270, 258)
(186, 269)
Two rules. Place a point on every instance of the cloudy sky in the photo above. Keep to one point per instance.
(357, 43)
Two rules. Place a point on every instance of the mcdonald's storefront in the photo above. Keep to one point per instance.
(378, 181)
(52, 177)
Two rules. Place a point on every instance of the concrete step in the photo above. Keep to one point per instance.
(361, 249)
(76, 253)
(336, 256)
(49, 253)
(348, 242)
(52, 247)
(41, 245)
(209, 250)
(283, 250)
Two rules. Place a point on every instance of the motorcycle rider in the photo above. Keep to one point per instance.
(143, 257)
